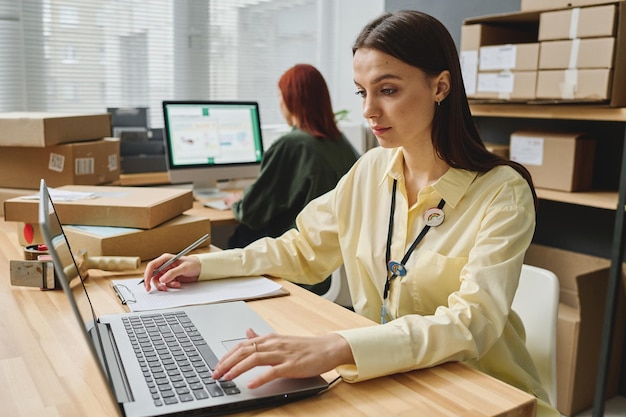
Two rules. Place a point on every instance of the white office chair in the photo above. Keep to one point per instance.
(537, 303)
(338, 291)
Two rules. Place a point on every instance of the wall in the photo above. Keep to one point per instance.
(452, 12)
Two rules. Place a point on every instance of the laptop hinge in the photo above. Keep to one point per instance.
(113, 363)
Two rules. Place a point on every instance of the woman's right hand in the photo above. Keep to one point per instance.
(186, 269)
(232, 198)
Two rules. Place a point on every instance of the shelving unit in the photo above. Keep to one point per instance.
(597, 199)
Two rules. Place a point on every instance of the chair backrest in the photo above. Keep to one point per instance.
(537, 303)
(338, 291)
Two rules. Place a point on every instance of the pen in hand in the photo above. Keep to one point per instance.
(179, 255)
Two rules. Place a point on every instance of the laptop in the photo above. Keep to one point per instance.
(159, 362)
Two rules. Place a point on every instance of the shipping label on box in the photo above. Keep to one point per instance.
(506, 85)
(80, 163)
(558, 161)
(520, 57)
(469, 69)
(41, 129)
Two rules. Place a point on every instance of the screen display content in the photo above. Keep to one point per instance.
(212, 142)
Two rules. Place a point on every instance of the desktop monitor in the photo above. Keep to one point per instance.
(208, 142)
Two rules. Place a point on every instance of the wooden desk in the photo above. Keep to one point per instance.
(217, 217)
(46, 368)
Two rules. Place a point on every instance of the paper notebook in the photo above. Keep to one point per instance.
(203, 292)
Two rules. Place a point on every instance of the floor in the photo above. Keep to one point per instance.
(615, 407)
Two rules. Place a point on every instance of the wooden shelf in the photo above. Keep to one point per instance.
(550, 111)
(598, 199)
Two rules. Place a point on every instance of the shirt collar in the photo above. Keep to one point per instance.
(451, 186)
(394, 167)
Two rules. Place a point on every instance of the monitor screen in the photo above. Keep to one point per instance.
(209, 142)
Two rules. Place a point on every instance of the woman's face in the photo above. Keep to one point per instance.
(398, 99)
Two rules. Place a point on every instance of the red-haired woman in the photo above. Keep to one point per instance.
(301, 165)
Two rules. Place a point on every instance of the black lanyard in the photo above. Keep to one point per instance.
(418, 239)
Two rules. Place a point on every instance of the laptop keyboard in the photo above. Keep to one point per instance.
(175, 359)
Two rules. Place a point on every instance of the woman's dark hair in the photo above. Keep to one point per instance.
(422, 41)
(306, 95)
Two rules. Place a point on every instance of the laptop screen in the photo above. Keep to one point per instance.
(64, 260)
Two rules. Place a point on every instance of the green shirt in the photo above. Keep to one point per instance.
(297, 168)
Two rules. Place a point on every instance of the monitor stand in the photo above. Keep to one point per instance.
(206, 193)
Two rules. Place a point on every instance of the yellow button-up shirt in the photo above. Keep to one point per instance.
(453, 304)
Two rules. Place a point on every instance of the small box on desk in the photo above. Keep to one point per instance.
(171, 236)
(583, 281)
(79, 163)
(137, 207)
(558, 161)
(39, 129)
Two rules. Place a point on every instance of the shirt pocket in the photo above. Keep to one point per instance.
(435, 277)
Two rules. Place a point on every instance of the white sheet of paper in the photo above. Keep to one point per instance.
(202, 292)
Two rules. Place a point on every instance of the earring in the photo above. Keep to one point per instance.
(438, 103)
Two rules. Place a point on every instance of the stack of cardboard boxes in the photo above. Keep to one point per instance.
(118, 221)
(64, 149)
(499, 61)
(544, 53)
(74, 153)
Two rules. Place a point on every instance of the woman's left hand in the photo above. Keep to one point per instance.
(287, 356)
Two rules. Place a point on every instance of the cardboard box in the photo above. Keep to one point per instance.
(171, 236)
(47, 129)
(558, 161)
(583, 280)
(536, 5)
(80, 163)
(474, 36)
(609, 89)
(498, 149)
(577, 53)
(574, 84)
(137, 207)
(584, 22)
(9, 193)
(506, 85)
(514, 57)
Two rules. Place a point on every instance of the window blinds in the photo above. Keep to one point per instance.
(87, 55)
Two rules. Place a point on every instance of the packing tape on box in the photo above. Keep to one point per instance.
(573, 54)
(573, 24)
(570, 84)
